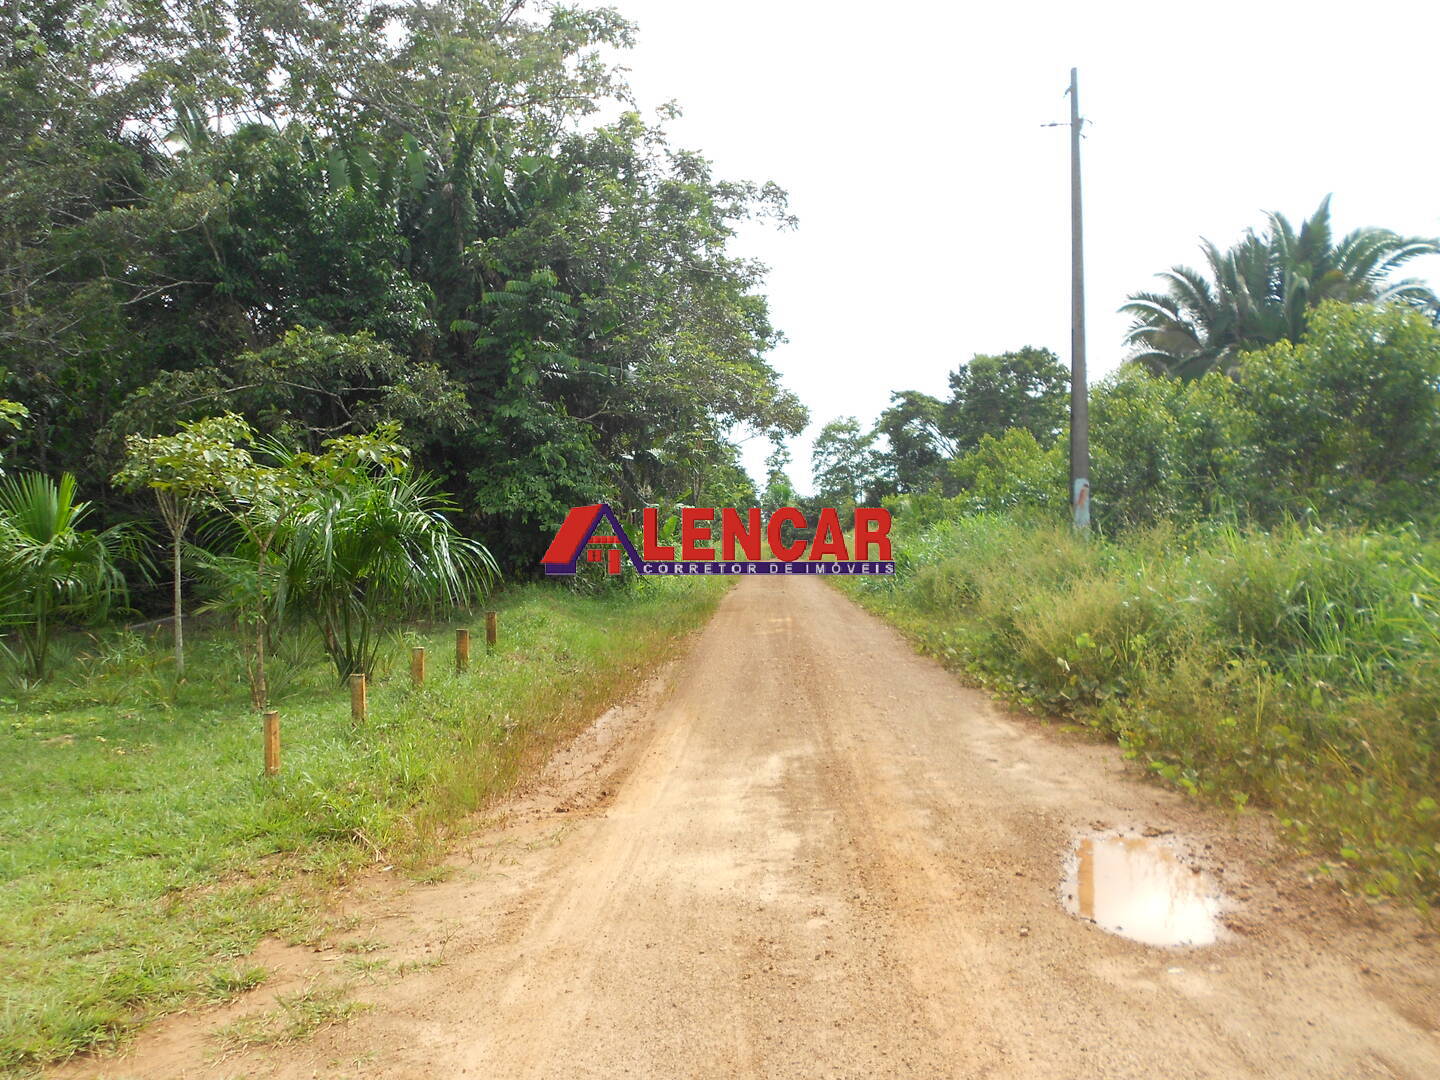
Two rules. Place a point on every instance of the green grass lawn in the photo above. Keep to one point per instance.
(143, 854)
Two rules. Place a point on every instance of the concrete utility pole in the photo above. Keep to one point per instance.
(1079, 401)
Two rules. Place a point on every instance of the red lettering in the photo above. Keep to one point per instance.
(650, 542)
(872, 526)
(747, 534)
(694, 527)
(783, 551)
(829, 539)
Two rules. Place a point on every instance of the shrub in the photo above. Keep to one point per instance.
(1295, 669)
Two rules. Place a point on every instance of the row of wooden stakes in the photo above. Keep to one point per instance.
(358, 705)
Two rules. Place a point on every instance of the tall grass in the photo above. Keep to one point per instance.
(142, 854)
(1297, 669)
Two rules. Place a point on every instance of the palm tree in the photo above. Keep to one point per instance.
(50, 568)
(377, 543)
(1260, 291)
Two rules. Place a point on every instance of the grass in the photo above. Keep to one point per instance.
(143, 855)
(1297, 669)
(295, 1017)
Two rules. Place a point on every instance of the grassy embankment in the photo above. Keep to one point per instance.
(142, 854)
(1296, 670)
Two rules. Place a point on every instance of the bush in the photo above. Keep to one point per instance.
(1295, 669)
(1348, 421)
(1012, 472)
(1344, 426)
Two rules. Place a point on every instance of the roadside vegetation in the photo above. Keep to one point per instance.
(1256, 614)
(143, 854)
(1296, 669)
(308, 341)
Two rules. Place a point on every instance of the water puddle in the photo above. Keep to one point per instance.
(1139, 888)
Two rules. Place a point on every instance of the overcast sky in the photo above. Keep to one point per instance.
(934, 207)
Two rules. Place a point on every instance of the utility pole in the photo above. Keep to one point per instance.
(1079, 401)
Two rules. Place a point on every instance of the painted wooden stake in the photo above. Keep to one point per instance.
(462, 649)
(417, 666)
(357, 697)
(272, 743)
(492, 629)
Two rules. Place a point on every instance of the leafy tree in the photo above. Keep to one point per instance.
(1344, 424)
(1347, 421)
(340, 537)
(50, 567)
(185, 472)
(1261, 291)
(308, 386)
(1137, 458)
(1012, 471)
(640, 342)
(779, 491)
(914, 430)
(379, 214)
(726, 483)
(846, 466)
(258, 500)
(1026, 389)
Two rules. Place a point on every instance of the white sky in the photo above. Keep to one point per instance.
(934, 208)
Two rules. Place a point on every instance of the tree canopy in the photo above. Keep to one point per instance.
(334, 214)
(1261, 291)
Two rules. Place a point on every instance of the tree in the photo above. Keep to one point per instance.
(309, 386)
(1347, 421)
(339, 537)
(616, 332)
(779, 491)
(1011, 471)
(396, 213)
(1261, 291)
(913, 428)
(845, 464)
(374, 540)
(1137, 458)
(50, 567)
(184, 471)
(258, 500)
(1026, 389)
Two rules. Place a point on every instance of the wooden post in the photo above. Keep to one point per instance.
(492, 629)
(417, 666)
(272, 743)
(357, 697)
(462, 649)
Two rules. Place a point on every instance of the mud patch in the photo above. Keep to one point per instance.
(1141, 888)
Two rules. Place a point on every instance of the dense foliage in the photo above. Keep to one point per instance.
(51, 568)
(337, 539)
(915, 442)
(1342, 424)
(1256, 619)
(1261, 290)
(331, 214)
(1293, 669)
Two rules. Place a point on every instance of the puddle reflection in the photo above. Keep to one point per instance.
(1138, 888)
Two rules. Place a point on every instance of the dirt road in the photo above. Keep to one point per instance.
(808, 852)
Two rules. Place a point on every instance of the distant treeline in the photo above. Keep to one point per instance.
(1295, 378)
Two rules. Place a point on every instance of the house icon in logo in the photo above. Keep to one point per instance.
(579, 529)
